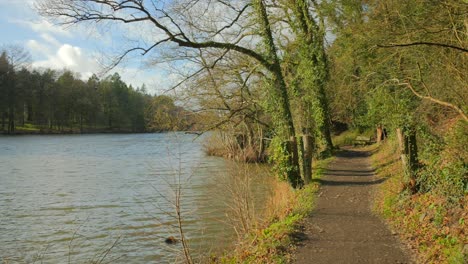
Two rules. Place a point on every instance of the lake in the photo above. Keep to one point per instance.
(110, 197)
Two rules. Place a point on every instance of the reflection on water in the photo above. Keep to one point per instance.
(73, 197)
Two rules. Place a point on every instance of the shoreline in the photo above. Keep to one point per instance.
(85, 132)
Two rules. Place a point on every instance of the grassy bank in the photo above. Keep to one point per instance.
(431, 223)
(273, 237)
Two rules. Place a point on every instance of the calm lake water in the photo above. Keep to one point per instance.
(83, 198)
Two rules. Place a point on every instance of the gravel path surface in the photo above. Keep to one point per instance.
(342, 228)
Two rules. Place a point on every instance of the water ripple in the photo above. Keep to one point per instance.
(74, 196)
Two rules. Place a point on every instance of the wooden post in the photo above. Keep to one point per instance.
(401, 144)
(409, 158)
(379, 136)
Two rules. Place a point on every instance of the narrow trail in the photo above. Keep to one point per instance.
(342, 228)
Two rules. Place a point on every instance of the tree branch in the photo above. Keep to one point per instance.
(437, 101)
(419, 43)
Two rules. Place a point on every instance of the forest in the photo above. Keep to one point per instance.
(49, 101)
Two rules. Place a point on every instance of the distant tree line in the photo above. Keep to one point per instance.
(51, 101)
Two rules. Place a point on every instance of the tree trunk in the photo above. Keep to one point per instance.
(285, 125)
(81, 123)
(11, 121)
(23, 115)
(401, 144)
(412, 147)
(29, 112)
(311, 33)
(4, 114)
(308, 147)
(325, 126)
(109, 120)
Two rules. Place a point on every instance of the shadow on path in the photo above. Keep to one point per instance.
(342, 228)
(350, 183)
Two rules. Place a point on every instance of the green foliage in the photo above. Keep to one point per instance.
(345, 138)
(445, 162)
(280, 158)
(388, 106)
(376, 81)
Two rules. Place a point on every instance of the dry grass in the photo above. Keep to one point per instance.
(223, 145)
(281, 203)
(269, 236)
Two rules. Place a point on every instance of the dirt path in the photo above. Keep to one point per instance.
(342, 229)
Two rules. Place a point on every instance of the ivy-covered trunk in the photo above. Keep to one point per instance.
(307, 152)
(325, 122)
(313, 66)
(285, 127)
(284, 124)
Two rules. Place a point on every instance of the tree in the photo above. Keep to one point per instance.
(12, 60)
(181, 25)
(229, 96)
(44, 84)
(5, 73)
(407, 62)
(306, 66)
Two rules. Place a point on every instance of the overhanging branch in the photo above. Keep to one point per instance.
(437, 101)
(423, 43)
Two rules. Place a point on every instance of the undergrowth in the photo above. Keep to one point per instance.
(431, 222)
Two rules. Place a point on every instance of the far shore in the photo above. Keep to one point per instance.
(21, 132)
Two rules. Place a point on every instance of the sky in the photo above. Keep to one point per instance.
(80, 49)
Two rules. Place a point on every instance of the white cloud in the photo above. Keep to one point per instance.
(85, 63)
(51, 40)
(67, 57)
(42, 26)
(36, 47)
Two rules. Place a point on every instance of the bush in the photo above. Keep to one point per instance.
(445, 162)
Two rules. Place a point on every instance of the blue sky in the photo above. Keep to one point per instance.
(78, 48)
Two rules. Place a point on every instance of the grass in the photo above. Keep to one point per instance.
(435, 227)
(347, 137)
(28, 127)
(273, 240)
